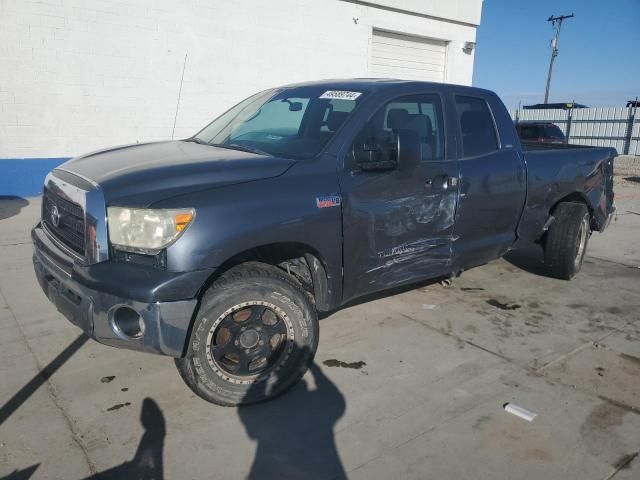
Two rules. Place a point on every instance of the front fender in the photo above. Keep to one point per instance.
(236, 218)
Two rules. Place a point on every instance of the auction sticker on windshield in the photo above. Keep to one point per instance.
(340, 95)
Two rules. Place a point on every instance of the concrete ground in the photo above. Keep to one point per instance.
(408, 386)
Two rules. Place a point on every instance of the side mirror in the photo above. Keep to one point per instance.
(409, 149)
(295, 106)
(369, 158)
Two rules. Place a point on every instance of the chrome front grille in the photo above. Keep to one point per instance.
(74, 215)
(64, 219)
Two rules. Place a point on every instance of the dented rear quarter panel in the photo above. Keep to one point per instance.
(554, 174)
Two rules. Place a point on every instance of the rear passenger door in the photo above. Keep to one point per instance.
(492, 180)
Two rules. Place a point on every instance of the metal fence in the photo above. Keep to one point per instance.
(617, 127)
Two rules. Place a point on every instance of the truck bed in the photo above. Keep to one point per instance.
(535, 146)
(557, 172)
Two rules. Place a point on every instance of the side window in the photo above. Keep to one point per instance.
(476, 126)
(422, 113)
(335, 114)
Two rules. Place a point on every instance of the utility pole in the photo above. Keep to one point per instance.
(556, 22)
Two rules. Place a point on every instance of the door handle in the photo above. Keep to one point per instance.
(444, 182)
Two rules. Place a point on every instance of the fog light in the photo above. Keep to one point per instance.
(126, 322)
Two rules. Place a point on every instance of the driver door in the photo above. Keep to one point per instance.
(398, 224)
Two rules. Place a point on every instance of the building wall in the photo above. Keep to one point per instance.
(78, 75)
(461, 11)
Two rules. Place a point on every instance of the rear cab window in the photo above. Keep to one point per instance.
(529, 132)
(553, 131)
(477, 127)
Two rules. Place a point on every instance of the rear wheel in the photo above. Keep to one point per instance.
(566, 241)
(255, 335)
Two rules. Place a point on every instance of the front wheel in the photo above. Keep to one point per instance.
(255, 335)
(566, 241)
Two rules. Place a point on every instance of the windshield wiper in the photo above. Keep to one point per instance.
(196, 140)
(242, 148)
(230, 146)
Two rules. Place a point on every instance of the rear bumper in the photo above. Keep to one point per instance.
(89, 296)
(607, 221)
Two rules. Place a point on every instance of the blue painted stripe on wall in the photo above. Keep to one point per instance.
(24, 177)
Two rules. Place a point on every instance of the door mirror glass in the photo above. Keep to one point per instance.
(371, 158)
(372, 154)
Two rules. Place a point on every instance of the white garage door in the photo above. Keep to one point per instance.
(394, 55)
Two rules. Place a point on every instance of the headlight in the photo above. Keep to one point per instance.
(147, 230)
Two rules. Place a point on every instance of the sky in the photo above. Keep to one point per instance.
(598, 63)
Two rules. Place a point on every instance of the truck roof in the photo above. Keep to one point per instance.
(375, 84)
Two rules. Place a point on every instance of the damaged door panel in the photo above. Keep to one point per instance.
(398, 223)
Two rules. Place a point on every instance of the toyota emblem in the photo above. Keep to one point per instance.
(55, 216)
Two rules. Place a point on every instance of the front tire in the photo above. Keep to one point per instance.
(255, 335)
(566, 241)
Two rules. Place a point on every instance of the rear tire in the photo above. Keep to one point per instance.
(566, 241)
(255, 335)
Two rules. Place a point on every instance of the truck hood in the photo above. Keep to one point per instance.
(139, 175)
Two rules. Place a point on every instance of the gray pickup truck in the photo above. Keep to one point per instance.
(221, 249)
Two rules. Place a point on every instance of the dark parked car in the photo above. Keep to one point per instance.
(543, 132)
(554, 106)
(221, 249)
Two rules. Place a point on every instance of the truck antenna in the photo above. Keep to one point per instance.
(175, 118)
(556, 23)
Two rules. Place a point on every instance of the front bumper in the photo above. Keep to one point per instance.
(88, 296)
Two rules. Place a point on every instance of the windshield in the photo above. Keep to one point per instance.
(293, 122)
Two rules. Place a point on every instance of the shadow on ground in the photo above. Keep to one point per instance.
(11, 206)
(40, 378)
(147, 463)
(294, 433)
(632, 179)
(530, 259)
(22, 474)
